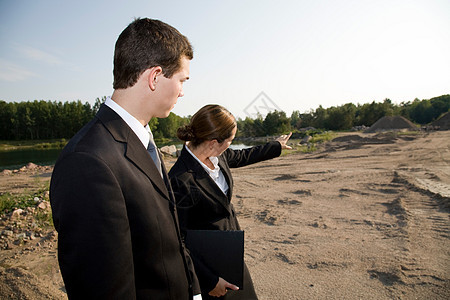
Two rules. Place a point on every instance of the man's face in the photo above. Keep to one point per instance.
(170, 89)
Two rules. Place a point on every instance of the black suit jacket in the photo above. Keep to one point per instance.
(201, 204)
(117, 222)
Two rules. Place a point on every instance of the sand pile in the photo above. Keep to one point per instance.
(443, 122)
(392, 123)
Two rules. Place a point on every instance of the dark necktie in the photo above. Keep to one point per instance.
(154, 154)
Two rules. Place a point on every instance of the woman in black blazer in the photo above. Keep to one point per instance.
(203, 186)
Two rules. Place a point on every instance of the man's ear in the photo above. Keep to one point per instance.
(153, 75)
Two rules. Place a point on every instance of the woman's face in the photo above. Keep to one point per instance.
(218, 149)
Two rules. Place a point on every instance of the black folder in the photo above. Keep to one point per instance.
(221, 251)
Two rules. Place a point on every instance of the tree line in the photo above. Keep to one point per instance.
(43, 120)
(38, 120)
(344, 117)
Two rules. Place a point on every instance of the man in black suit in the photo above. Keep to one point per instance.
(112, 204)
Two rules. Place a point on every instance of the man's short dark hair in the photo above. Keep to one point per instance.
(148, 43)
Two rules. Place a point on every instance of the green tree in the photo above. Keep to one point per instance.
(57, 128)
(369, 113)
(97, 104)
(245, 127)
(153, 124)
(41, 114)
(421, 111)
(276, 122)
(167, 127)
(341, 117)
(258, 126)
(296, 120)
(306, 119)
(440, 105)
(8, 120)
(25, 121)
(320, 117)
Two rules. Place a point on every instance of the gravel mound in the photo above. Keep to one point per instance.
(392, 123)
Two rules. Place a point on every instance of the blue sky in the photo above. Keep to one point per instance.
(300, 54)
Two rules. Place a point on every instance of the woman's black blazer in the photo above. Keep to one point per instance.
(201, 204)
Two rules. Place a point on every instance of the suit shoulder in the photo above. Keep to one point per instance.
(178, 168)
(182, 164)
(95, 140)
(84, 135)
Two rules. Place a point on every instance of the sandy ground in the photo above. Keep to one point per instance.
(365, 217)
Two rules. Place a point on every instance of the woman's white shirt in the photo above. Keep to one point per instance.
(216, 174)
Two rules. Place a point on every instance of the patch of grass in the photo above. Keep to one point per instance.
(9, 201)
(32, 144)
(300, 149)
(318, 137)
(323, 137)
(44, 219)
(160, 142)
(42, 185)
(308, 148)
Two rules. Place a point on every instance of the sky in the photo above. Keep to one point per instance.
(249, 56)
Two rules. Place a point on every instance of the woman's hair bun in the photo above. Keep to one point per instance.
(186, 133)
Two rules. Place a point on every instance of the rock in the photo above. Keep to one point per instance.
(169, 150)
(21, 236)
(43, 205)
(16, 213)
(306, 140)
(7, 233)
(51, 236)
(28, 167)
(31, 166)
(46, 194)
(18, 242)
(7, 172)
(358, 128)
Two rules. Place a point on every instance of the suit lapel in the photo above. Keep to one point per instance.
(227, 174)
(135, 151)
(203, 179)
(167, 180)
(141, 158)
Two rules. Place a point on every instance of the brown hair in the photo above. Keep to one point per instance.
(211, 122)
(148, 43)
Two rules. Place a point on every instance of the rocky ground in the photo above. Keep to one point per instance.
(28, 258)
(364, 217)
